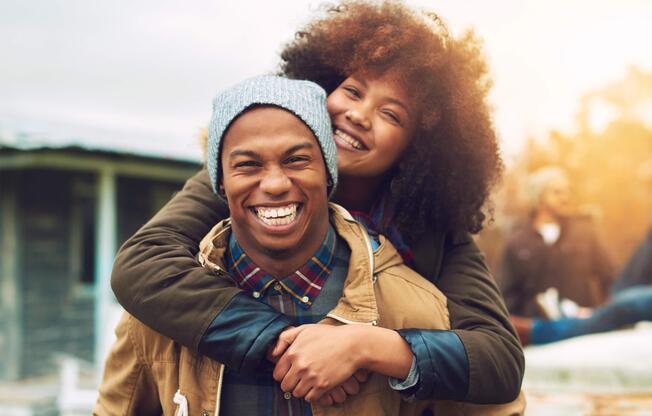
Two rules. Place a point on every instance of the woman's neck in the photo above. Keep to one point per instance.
(356, 193)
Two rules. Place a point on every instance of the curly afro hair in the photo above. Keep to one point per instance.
(443, 180)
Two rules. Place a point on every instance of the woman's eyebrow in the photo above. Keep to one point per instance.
(399, 103)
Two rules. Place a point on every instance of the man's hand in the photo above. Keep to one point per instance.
(275, 351)
(349, 388)
(317, 359)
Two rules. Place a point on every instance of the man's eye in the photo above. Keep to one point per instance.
(247, 164)
(296, 159)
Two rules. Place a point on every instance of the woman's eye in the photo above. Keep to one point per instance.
(393, 117)
(352, 91)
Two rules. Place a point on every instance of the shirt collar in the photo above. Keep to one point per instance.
(303, 285)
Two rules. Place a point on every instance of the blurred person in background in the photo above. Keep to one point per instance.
(631, 303)
(638, 270)
(556, 273)
(556, 248)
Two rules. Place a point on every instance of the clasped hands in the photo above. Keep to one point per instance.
(318, 362)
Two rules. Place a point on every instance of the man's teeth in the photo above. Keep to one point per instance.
(348, 139)
(277, 215)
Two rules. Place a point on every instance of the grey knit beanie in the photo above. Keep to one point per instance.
(304, 99)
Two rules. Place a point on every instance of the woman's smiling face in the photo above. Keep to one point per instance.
(373, 123)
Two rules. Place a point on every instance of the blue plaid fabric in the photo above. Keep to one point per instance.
(380, 220)
(259, 394)
(303, 285)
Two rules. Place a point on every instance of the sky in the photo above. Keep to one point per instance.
(148, 69)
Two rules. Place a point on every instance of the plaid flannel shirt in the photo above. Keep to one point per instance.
(307, 295)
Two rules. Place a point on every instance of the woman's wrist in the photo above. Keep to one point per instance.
(381, 350)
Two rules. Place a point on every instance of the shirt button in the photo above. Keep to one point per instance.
(204, 413)
(287, 395)
(277, 287)
(256, 295)
(305, 299)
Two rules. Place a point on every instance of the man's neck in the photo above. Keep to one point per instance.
(543, 217)
(283, 263)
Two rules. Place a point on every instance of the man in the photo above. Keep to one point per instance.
(555, 249)
(271, 156)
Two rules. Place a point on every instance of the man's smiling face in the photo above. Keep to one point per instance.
(274, 178)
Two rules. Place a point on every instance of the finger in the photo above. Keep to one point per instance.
(284, 340)
(337, 394)
(325, 400)
(351, 386)
(314, 394)
(269, 354)
(290, 381)
(301, 389)
(281, 369)
(277, 350)
(361, 375)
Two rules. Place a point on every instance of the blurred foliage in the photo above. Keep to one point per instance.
(610, 168)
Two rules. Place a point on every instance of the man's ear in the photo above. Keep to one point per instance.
(220, 190)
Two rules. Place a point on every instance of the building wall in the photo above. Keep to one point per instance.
(10, 299)
(52, 315)
(54, 234)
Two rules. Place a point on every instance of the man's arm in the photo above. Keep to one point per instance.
(157, 279)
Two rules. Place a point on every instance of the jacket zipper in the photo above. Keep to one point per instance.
(220, 378)
(370, 252)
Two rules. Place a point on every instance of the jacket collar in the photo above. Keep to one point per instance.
(358, 302)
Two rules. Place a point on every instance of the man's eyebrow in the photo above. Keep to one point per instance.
(249, 153)
(297, 147)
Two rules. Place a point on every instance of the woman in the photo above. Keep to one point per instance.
(417, 157)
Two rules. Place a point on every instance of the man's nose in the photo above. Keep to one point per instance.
(275, 182)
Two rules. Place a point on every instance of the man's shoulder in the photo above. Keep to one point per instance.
(150, 345)
(213, 246)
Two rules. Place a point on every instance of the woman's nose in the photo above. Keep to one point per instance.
(358, 118)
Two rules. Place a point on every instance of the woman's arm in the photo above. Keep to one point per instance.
(480, 360)
(479, 318)
(157, 279)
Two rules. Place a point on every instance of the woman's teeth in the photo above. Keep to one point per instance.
(277, 215)
(349, 140)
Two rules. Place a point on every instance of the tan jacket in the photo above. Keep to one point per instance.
(146, 372)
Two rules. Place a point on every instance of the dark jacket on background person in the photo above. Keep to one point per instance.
(156, 279)
(638, 269)
(577, 265)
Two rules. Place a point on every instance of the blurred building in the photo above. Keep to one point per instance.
(66, 203)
